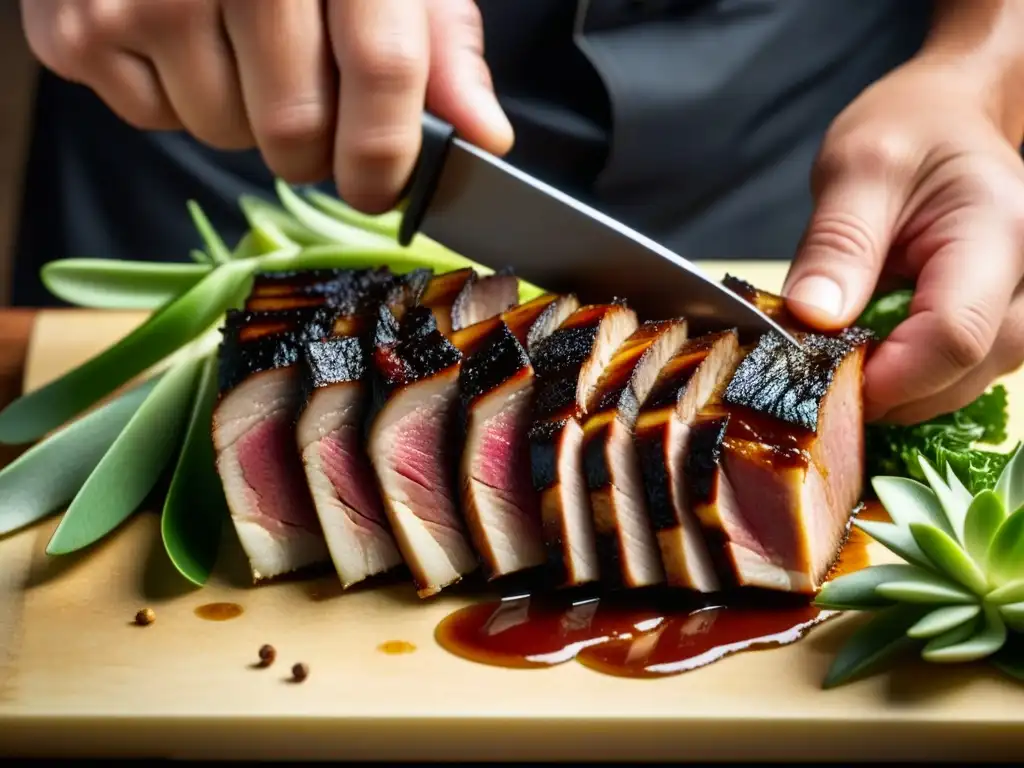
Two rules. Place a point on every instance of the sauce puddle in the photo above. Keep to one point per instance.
(218, 611)
(638, 635)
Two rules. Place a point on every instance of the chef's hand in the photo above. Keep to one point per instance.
(243, 73)
(921, 179)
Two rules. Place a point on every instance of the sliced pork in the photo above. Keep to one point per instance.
(701, 367)
(626, 548)
(568, 365)
(416, 376)
(501, 507)
(776, 466)
(254, 441)
(330, 430)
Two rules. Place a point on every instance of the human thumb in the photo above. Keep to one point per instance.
(460, 89)
(842, 252)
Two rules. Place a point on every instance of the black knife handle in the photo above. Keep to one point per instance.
(419, 191)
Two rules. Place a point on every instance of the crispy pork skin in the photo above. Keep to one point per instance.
(501, 507)
(568, 365)
(416, 374)
(253, 436)
(701, 367)
(776, 467)
(626, 548)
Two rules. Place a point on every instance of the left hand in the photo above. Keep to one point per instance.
(920, 179)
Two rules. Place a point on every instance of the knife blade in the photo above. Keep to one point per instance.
(487, 210)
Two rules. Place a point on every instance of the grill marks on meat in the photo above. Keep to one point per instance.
(568, 365)
(776, 465)
(626, 547)
(330, 430)
(496, 383)
(663, 437)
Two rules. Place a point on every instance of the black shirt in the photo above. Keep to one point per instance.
(695, 121)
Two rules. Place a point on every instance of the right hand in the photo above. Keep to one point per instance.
(265, 73)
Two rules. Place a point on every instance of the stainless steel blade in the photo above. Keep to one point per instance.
(499, 216)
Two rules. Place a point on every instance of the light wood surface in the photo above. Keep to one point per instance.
(77, 678)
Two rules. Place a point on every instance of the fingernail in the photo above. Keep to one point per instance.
(822, 293)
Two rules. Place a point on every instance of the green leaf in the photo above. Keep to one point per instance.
(49, 474)
(1006, 553)
(943, 550)
(960, 492)
(984, 516)
(884, 313)
(385, 224)
(275, 228)
(856, 591)
(247, 247)
(925, 591)
(214, 245)
(132, 466)
(326, 226)
(1013, 615)
(1010, 486)
(1011, 592)
(897, 540)
(200, 256)
(195, 507)
(113, 284)
(36, 413)
(873, 644)
(908, 501)
(953, 513)
(968, 642)
(942, 620)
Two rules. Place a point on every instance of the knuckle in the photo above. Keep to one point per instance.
(108, 20)
(297, 123)
(374, 150)
(388, 62)
(1010, 345)
(73, 43)
(870, 155)
(846, 238)
(965, 336)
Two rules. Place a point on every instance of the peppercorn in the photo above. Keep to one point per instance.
(300, 672)
(267, 655)
(145, 616)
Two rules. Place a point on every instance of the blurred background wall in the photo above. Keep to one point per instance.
(17, 79)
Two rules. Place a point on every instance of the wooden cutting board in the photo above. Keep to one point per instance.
(77, 678)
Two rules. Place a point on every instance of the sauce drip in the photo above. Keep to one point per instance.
(218, 611)
(396, 647)
(639, 635)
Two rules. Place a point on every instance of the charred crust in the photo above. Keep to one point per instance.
(543, 438)
(554, 394)
(546, 321)
(595, 459)
(789, 383)
(499, 359)
(239, 359)
(334, 361)
(609, 558)
(654, 473)
(565, 349)
(703, 460)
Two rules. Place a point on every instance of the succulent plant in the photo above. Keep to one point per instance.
(958, 595)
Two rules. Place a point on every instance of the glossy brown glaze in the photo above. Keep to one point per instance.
(219, 611)
(637, 634)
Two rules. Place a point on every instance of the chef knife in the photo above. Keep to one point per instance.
(485, 209)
